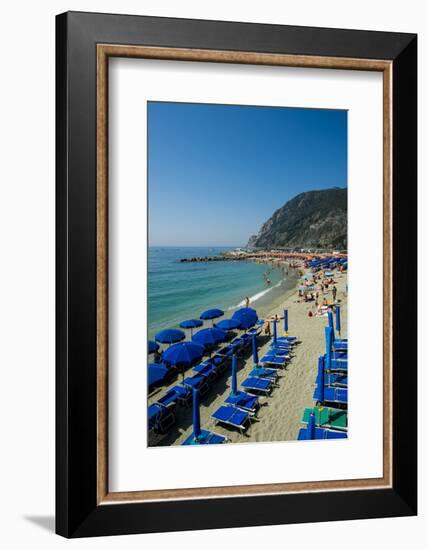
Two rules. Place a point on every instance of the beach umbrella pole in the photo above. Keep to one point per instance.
(330, 323)
(321, 380)
(310, 430)
(196, 415)
(338, 319)
(255, 354)
(274, 332)
(328, 342)
(286, 322)
(234, 377)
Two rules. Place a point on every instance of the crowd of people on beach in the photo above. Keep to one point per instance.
(320, 291)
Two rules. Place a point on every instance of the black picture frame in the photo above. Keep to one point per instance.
(77, 511)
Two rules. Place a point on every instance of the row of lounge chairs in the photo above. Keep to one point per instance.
(241, 406)
(329, 418)
(161, 415)
(330, 262)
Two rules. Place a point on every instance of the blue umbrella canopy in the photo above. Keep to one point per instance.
(157, 374)
(170, 336)
(246, 320)
(228, 324)
(212, 313)
(153, 346)
(338, 319)
(246, 311)
(183, 354)
(191, 323)
(209, 336)
(310, 430)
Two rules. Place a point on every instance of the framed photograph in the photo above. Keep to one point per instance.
(236, 274)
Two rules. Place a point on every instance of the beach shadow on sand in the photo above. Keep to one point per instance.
(218, 388)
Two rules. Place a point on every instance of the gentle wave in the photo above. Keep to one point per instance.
(255, 297)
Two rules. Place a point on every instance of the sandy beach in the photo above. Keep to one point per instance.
(280, 414)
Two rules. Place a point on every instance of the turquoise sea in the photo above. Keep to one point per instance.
(179, 291)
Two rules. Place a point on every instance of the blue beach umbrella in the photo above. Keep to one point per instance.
(153, 346)
(200, 436)
(328, 344)
(209, 337)
(234, 377)
(321, 380)
(228, 324)
(212, 314)
(170, 336)
(274, 332)
(191, 323)
(196, 415)
(183, 354)
(157, 374)
(246, 316)
(285, 320)
(310, 430)
(255, 354)
(247, 310)
(330, 323)
(338, 319)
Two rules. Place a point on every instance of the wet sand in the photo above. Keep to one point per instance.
(280, 414)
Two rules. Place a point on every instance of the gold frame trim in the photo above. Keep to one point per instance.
(104, 51)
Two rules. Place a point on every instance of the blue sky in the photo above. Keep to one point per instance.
(217, 172)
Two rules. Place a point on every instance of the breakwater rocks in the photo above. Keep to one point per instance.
(293, 258)
(210, 259)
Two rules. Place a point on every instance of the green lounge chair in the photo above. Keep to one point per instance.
(327, 417)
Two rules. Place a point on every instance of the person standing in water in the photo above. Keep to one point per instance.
(247, 302)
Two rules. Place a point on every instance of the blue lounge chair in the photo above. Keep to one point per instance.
(340, 362)
(255, 330)
(179, 394)
(170, 397)
(311, 431)
(205, 438)
(281, 345)
(220, 362)
(229, 350)
(334, 379)
(254, 383)
(339, 346)
(274, 360)
(263, 372)
(331, 394)
(209, 369)
(337, 366)
(321, 433)
(198, 381)
(160, 417)
(243, 400)
(291, 340)
(339, 355)
(328, 394)
(278, 351)
(231, 416)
